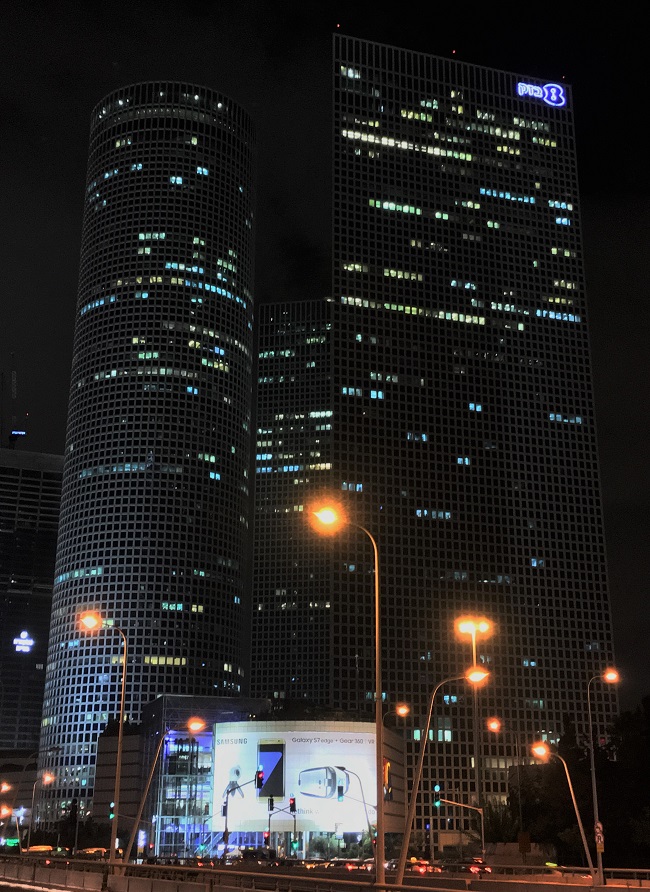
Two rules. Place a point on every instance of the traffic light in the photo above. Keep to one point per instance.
(266, 837)
(292, 804)
(224, 810)
(111, 811)
(339, 792)
(271, 803)
(437, 795)
(295, 844)
(259, 779)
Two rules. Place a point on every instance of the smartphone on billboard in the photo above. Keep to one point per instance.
(270, 760)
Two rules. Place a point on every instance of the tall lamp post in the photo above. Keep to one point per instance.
(610, 676)
(474, 676)
(543, 752)
(494, 725)
(93, 622)
(475, 626)
(329, 519)
(46, 778)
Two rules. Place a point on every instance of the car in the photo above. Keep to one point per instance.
(422, 866)
(348, 864)
(314, 863)
(97, 853)
(465, 865)
(284, 862)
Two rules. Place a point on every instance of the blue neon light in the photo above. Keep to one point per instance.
(551, 94)
(24, 643)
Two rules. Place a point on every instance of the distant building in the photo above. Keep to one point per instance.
(155, 511)
(444, 394)
(30, 494)
(198, 792)
(177, 765)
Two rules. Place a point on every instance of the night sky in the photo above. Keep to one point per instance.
(59, 58)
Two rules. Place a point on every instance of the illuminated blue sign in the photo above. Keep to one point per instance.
(551, 94)
(24, 643)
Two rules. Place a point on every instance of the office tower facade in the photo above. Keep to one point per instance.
(443, 393)
(154, 515)
(30, 495)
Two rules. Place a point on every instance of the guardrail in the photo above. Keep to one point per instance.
(97, 876)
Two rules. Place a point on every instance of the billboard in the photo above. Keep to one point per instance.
(329, 773)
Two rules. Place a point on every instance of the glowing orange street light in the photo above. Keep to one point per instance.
(474, 626)
(542, 751)
(91, 621)
(494, 724)
(401, 710)
(94, 622)
(477, 676)
(4, 787)
(328, 519)
(195, 725)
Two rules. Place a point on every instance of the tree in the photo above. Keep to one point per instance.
(501, 824)
(624, 789)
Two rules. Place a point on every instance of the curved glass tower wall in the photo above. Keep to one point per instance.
(154, 515)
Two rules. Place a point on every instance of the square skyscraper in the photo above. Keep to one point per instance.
(443, 394)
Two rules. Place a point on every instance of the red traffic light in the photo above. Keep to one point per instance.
(259, 780)
(266, 836)
(292, 804)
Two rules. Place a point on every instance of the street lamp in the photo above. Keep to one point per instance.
(194, 725)
(47, 778)
(475, 676)
(475, 627)
(609, 676)
(92, 621)
(543, 752)
(401, 710)
(330, 519)
(494, 725)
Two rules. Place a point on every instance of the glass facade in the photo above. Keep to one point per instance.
(180, 819)
(154, 514)
(443, 393)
